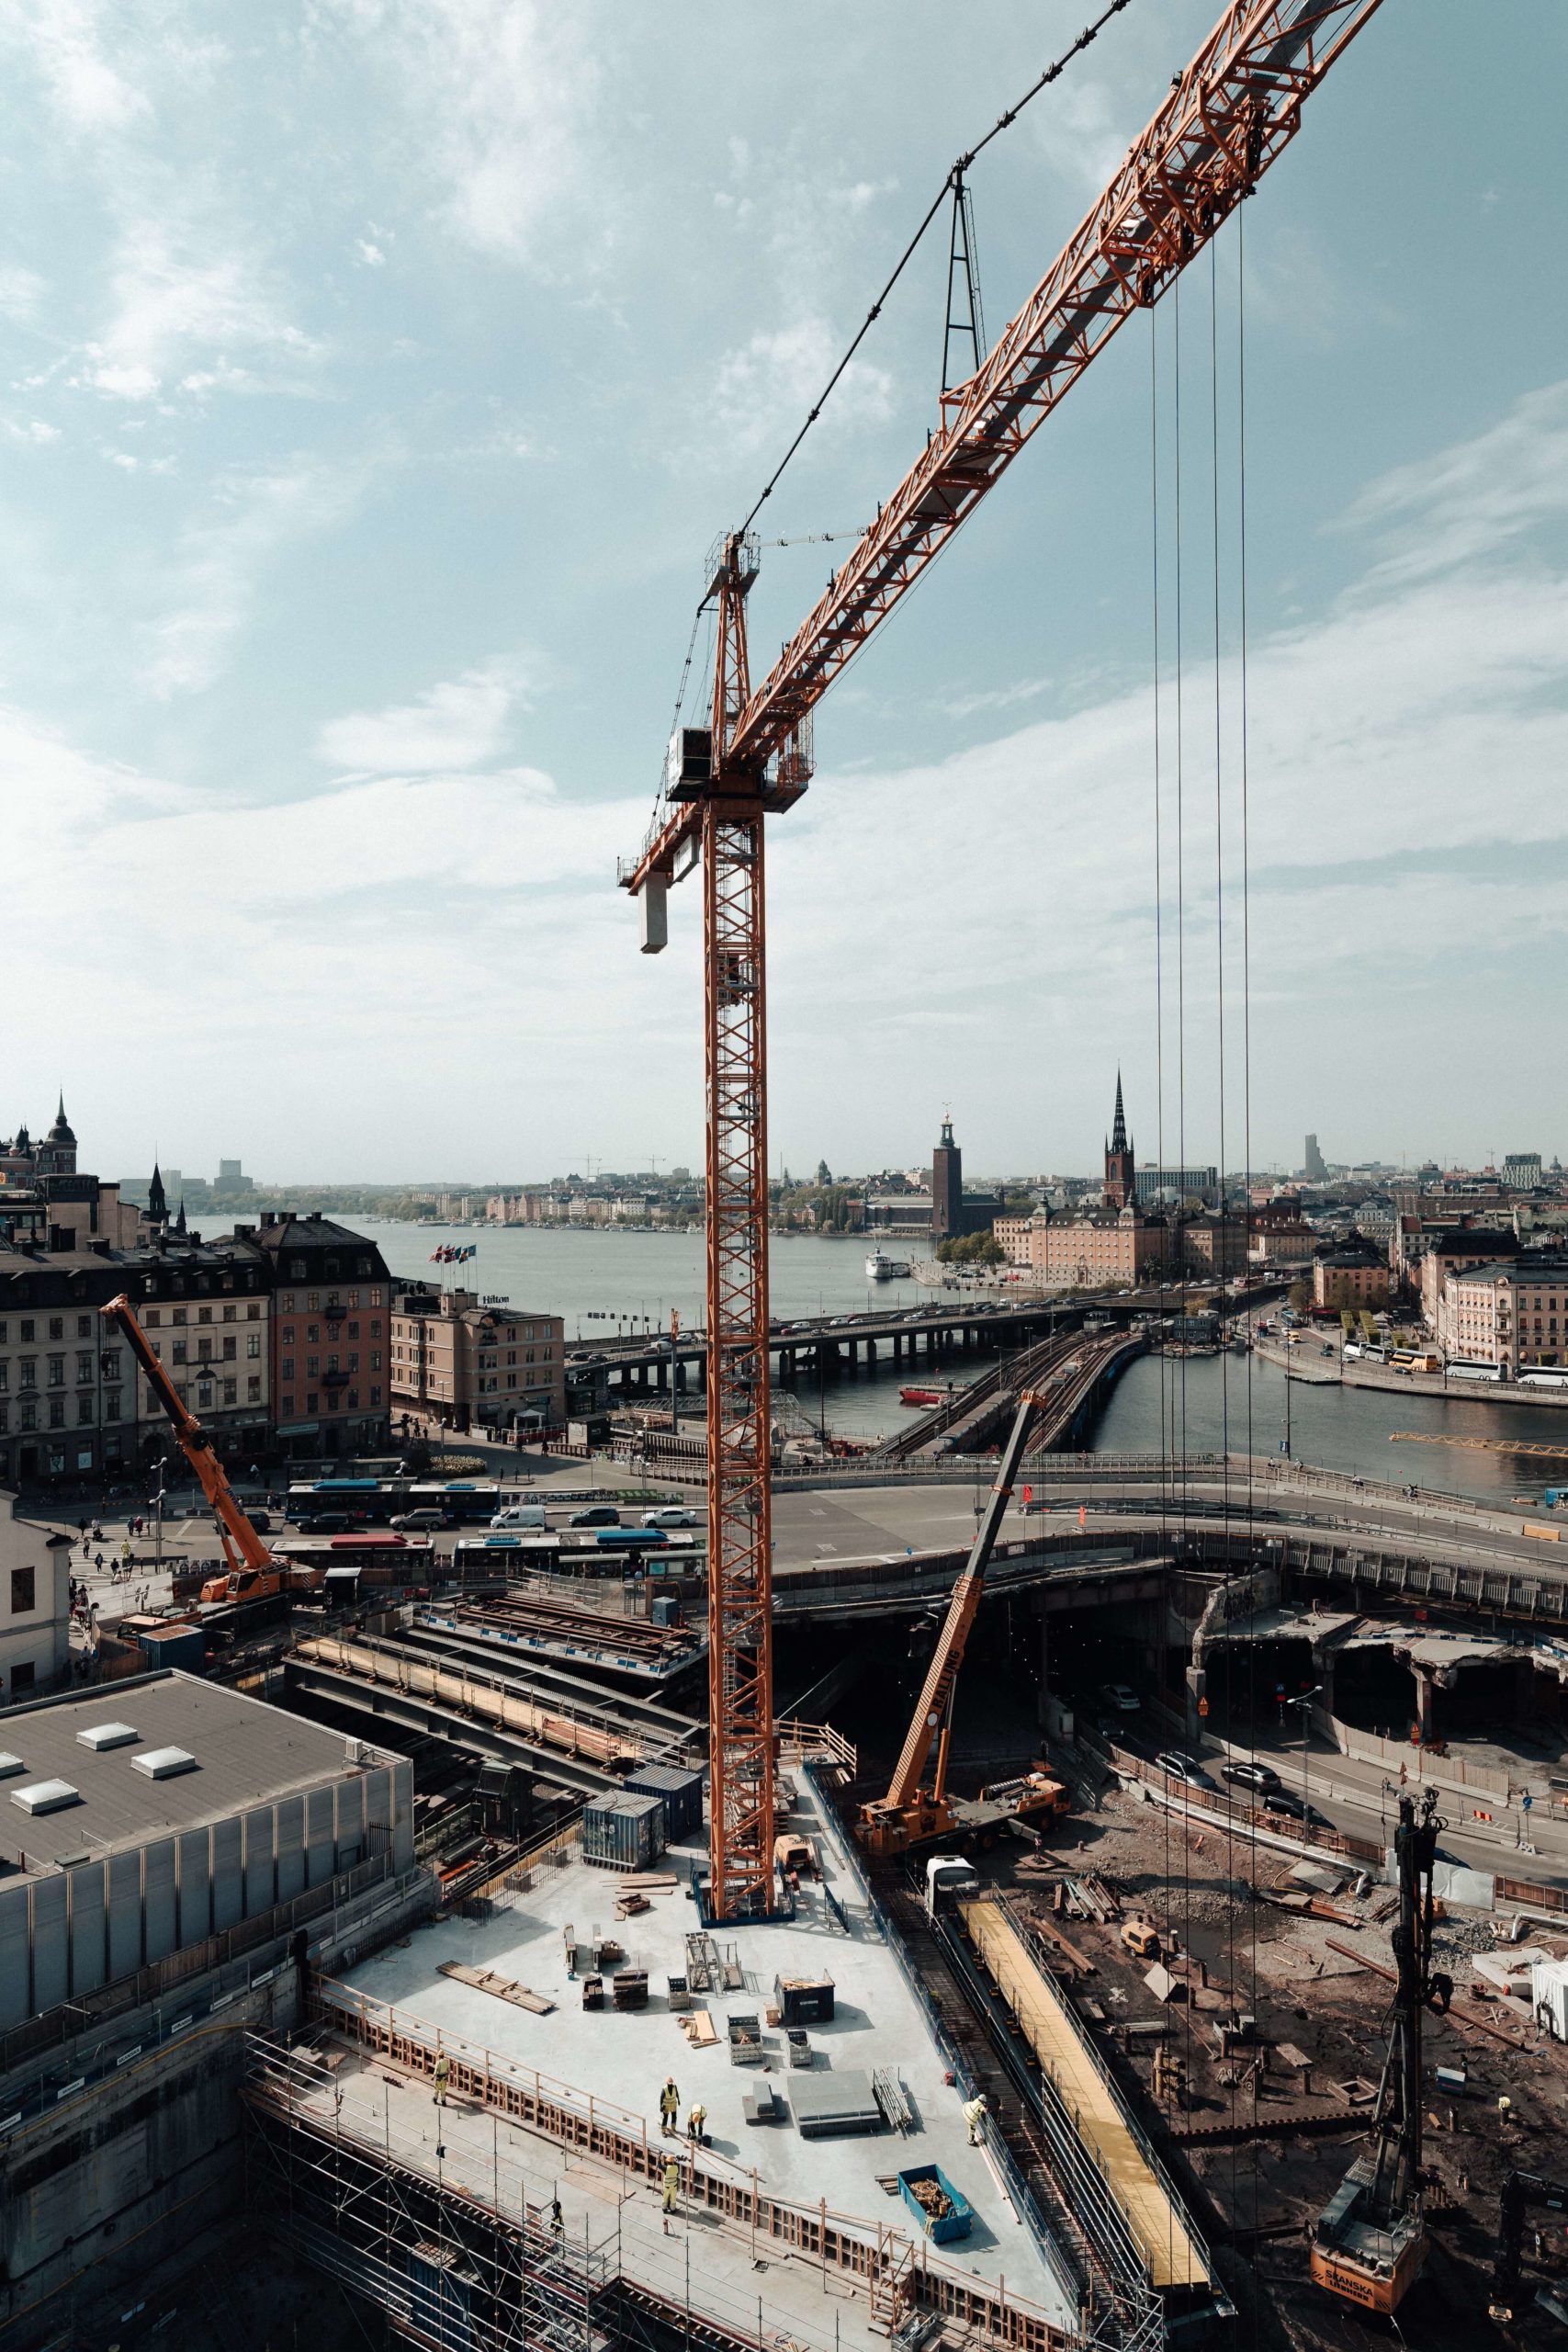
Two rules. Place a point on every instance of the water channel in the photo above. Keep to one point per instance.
(607, 1281)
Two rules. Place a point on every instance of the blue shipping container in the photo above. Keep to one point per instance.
(682, 1792)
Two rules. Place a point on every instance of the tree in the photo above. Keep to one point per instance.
(972, 1249)
(1300, 1296)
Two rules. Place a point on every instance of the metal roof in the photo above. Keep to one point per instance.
(247, 1753)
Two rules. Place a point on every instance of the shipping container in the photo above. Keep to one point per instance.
(623, 1833)
(181, 1646)
(682, 1791)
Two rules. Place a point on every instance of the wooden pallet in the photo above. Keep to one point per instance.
(505, 1988)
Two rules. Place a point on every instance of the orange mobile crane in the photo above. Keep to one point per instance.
(912, 1815)
(254, 1574)
(1233, 109)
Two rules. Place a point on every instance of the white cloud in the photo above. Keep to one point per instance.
(259, 511)
(21, 291)
(370, 254)
(65, 38)
(460, 724)
(499, 95)
(778, 374)
(1475, 498)
(179, 295)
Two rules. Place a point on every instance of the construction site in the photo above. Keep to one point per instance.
(910, 1942)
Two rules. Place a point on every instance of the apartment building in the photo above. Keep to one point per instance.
(1511, 1312)
(1349, 1278)
(330, 1335)
(462, 1362)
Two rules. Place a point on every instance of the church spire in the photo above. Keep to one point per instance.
(157, 1199)
(1119, 1125)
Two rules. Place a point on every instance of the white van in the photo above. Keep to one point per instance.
(521, 1515)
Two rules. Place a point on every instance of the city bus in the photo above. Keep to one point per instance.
(373, 1556)
(370, 1502)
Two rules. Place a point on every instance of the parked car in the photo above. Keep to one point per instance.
(324, 1522)
(596, 1515)
(425, 1520)
(521, 1515)
(1251, 1776)
(1182, 1767)
(1117, 1696)
(672, 1515)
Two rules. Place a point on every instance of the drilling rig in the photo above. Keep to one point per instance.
(1370, 2239)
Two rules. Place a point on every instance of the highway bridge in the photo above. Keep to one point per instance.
(642, 1362)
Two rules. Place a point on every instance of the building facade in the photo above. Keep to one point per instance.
(460, 1361)
(331, 1336)
(35, 1606)
(206, 1308)
(1512, 1312)
(1347, 1278)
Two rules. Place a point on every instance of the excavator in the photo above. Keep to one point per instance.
(252, 1574)
(911, 1815)
(1522, 2190)
(1370, 2243)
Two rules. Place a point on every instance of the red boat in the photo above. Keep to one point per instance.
(920, 1395)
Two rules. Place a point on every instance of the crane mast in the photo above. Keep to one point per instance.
(1229, 115)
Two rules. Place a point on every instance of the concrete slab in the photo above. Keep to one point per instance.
(626, 2056)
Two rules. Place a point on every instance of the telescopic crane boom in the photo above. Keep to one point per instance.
(1234, 109)
(910, 1814)
(253, 1572)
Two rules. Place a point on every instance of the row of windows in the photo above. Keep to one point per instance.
(293, 1302)
(313, 1364)
(27, 1413)
(207, 1387)
(153, 1314)
(313, 1332)
(27, 1328)
(26, 1372)
(313, 1402)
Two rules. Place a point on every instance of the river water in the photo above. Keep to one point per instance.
(603, 1281)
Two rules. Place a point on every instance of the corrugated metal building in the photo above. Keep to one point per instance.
(149, 1853)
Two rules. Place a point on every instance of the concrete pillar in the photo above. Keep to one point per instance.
(1426, 1688)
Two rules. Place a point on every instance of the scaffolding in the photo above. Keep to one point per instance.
(459, 2265)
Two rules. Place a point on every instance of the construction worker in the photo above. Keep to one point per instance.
(671, 2189)
(696, 2124)
(558, 2220)
(443, 2074)
(670, 2109)
(974, 2115)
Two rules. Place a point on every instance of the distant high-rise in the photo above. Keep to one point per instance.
(1313, 1167)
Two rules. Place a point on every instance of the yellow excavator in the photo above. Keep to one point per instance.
(253, 1573)
(911, 1815)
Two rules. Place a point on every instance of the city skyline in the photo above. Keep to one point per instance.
(364, 761)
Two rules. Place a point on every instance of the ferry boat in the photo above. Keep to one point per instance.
(880, 1268)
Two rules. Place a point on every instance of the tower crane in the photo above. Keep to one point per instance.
(254, 1574)
(1229, 114)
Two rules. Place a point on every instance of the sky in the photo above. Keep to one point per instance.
(376, 374)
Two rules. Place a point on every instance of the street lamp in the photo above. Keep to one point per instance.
(1304, 1703)
(163, 1467)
